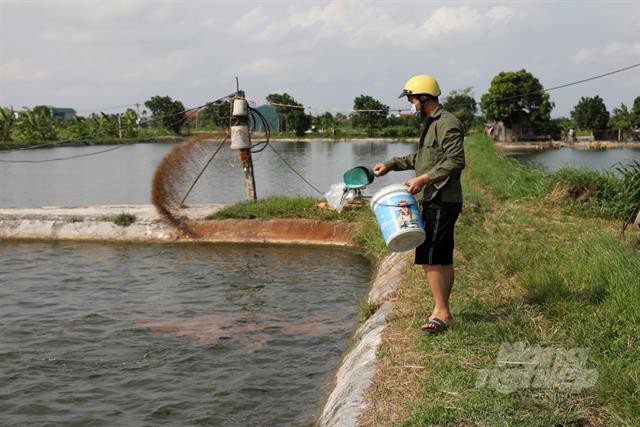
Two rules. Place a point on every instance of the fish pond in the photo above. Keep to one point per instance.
(172, 334)
(124, 175)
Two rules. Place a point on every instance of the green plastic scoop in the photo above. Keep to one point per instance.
(358, 177)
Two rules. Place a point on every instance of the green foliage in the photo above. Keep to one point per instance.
(635, 112)
(124, 219)
(590, 114)
(215, 115)
(299, 121)
(169, 113)
(129, 122)
(621, 118)
(282, 207)
(370, 120)
(328, 123)
(462, 104)
(508, 178)
(37, 124)
(514, 93)
(292, 113)
(7, 122)
(611, 194)
(366, 309)
(563, 123)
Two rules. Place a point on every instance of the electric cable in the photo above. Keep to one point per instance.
(588, 79)
(102, 151)
(75, 156)
(266, 144)
(106, 131)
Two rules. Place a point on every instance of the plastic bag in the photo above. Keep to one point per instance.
(336, 196)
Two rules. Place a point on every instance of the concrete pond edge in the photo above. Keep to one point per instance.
(355, 374)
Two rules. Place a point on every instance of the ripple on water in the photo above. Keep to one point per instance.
(145, 334)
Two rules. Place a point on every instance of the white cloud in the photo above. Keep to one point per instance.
(323, 53)
(248, 22)
(615, 51)
(366, 25)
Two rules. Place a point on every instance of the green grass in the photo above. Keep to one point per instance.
(611, 194)
(367, 234)
(507, 178)
(285, 207)
(124, 219)
(528, 272)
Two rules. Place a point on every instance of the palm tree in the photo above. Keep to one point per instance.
(7, 120)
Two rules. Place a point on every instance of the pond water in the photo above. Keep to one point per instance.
(552, 160)
(131, 334)
(124, 175)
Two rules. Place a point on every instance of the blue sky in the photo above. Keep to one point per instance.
(92, 55)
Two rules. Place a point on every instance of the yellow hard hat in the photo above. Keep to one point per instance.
(421, 85)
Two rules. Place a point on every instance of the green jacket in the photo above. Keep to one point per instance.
(440, 155)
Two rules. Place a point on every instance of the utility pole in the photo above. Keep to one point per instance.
(240, 140)
(119, 126)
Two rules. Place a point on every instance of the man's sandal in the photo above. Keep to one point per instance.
(434, 326)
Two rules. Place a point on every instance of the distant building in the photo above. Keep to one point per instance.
(63, 114)
(271, 116)
(520, 129)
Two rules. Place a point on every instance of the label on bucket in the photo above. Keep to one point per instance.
(397, 212)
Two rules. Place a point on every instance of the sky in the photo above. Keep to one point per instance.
(93, 55)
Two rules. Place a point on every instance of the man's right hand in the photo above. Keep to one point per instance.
(380, 169)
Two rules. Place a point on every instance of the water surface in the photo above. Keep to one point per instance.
(124, 175)
(132, 334)
(552, 160)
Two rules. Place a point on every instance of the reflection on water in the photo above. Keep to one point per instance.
(131, 334)
(552, 160)
(124, 175)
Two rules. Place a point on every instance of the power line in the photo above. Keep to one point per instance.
(588, 79)
(62, 158)
(100, 109)
(107, 131)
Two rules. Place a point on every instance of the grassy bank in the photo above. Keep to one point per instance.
(531, 270)
(367, 234)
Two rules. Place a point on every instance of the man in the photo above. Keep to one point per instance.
(438, 164)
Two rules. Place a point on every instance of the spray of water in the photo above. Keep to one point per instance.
(177, 172)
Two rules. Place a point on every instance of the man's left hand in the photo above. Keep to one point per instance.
(416, 184)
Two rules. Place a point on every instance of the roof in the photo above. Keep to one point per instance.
(62, 110)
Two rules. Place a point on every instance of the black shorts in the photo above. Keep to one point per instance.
(439, 221)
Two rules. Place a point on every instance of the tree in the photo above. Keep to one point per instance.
(513, 94)
(7, 120)
(635, 112)
(621, 118)
(37, 124)
(291, 112)
(215, 115)
(130, 123)
(462, 105)
(169, 113)
(328, 123)
(374, 116)
(590, 114)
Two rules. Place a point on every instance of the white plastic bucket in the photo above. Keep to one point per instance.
(399, 218)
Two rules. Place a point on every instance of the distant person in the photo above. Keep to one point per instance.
(572, 135)
(438, 164)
